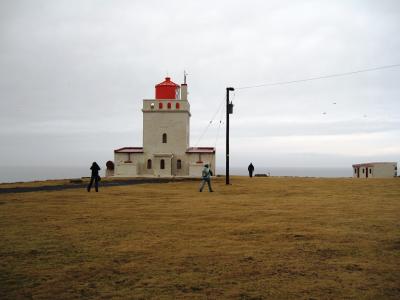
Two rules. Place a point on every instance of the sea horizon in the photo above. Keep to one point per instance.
(12, 174)
(327, 172)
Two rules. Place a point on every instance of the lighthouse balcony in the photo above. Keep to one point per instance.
(165, 105)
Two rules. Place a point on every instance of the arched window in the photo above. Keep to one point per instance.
(164, 138)
(149, 164)
(169, 105)
(177, 105)
(162, 164)
(179, 164)
(160, 105)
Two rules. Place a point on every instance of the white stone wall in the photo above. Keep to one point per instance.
(184, 170)
(109, 173)
(173, 122)
(143, 166)
(194, 159)
(354, 172)
(190, 164)
(184, 92)
(127, 164)
(195, 170)
(125, 170)
(384, 171)
(378, 170)
(166, 172)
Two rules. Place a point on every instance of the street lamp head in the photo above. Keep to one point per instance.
(230, 89)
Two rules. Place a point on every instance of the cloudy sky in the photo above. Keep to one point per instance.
(73, 75)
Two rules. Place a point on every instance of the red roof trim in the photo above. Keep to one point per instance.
(200, 150)
(371, 164)
(129, 150)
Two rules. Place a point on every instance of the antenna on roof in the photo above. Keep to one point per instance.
(184, 76)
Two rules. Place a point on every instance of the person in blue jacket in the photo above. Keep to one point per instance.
(206, 174)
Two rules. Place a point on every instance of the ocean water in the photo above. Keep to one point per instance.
(22, 174)
(328, 172)
(18, 174)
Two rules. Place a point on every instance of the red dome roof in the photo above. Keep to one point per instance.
(167, 82)
(167, 89)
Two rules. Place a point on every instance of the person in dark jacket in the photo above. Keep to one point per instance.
(251, 170)
(95, 177)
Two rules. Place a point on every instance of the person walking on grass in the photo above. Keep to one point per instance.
(206, 174)
(251, 170)
(95, 177)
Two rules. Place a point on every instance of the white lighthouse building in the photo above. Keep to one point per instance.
(166, 136)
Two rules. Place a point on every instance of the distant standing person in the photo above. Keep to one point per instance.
(206, 174)
(251, 170)
(95, 177)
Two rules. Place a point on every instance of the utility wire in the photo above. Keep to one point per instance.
(318, 77)
(219, 127)
(209, 123)
(290, 82)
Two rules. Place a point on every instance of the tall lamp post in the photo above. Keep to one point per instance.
(229, 110)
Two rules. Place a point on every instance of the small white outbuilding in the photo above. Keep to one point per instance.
(375, 170)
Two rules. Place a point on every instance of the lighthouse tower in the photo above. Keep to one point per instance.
(166, 135)
(166, 124)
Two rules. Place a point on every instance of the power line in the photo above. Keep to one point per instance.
(219, 126)
(318, 77)
(209, 123)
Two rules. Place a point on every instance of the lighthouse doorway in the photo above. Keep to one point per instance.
(163, 165)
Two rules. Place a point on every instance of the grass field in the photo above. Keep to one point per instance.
(260, 238)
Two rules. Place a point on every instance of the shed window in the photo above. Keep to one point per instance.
(160, 105)
(370, 171)
(179, 164)
(355, 170)
(169, 105)
(177, 105)
(164, 138)
(149, 164)
(363, 170)
(162, 164)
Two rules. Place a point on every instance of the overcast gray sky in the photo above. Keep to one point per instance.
(73, 75)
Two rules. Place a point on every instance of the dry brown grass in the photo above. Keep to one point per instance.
(265, 238)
